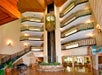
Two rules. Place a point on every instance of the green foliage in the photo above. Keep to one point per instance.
(10, 64)
(100, 71)
(5, 65)
(2, 71)
(44, 63)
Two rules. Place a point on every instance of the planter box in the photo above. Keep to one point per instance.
(51, 68)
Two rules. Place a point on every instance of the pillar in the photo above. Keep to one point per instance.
(45, 41)
(58, 36)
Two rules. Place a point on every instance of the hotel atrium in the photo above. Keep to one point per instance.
(50, 37)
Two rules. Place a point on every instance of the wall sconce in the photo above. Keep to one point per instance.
(88, 21)
(9, 43)
(26, 34)
(26, 45)
(91, 35)
(98, 28)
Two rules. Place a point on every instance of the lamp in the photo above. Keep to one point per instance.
(50, 22)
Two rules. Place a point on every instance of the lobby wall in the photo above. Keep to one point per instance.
(10, 32)
(96, 6)
(97, 13)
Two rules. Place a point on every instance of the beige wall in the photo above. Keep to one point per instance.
(97, 13)
(1, 37)
(10, 31)
(96, 6)
(98, 37)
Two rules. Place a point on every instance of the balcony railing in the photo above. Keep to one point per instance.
(71, 6)
(77, 28)
(74, 16)
(32, 19)
(31, 38)
(31, 28)
(78, 43)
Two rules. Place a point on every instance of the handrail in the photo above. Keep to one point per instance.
(21, 57)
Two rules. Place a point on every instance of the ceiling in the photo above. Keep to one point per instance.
(97, 10)
(10, 9)
(37, 5)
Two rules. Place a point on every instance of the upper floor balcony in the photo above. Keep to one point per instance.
(67, 7)
(77, 28)
(32, 19)
(77, 8)
(31, 28)
(78, 35)
(78, 43)
(29, 23)
(75, 16)
(85, 19)
(31, 38)
(35, 14)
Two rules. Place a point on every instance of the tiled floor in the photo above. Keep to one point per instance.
(68, 71)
